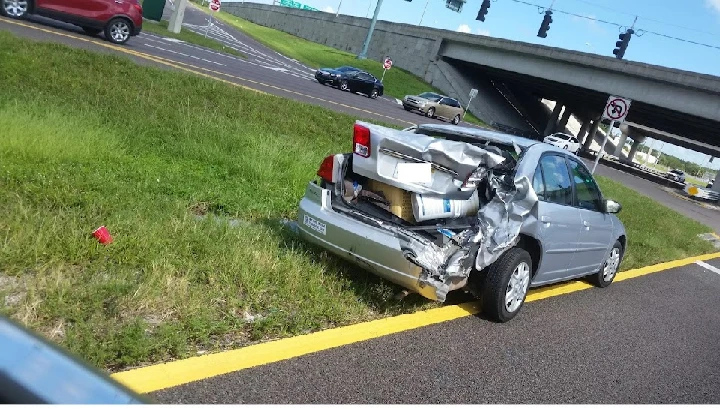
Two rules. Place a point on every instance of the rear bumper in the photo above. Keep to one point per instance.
(369, 247)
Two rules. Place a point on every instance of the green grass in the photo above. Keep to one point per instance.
(161, 28)
(91, 139)
(397, 81)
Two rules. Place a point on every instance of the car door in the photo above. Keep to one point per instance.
(596, 234)
(84, 10)
(364, 83)
(443, 108)
(559, 223)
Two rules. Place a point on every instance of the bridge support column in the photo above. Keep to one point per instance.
(553, 119)
(634, 148)
(624, 130)
(583, 130)
(564, 120)
(716, 184)
(591, 135)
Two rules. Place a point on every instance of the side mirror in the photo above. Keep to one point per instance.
(612, 206)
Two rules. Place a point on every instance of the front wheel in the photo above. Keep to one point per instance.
(610, 267)
(374, 93)
(430, 113)
(118, 31)
(506, 285)
(17, 9)
(456, 120)
(565, 147)
(344, 86)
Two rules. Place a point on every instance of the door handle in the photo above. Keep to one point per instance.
(586, 224)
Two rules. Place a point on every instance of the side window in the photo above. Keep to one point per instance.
(558, 187)
(444, 101)
(573, 140)
(455, 103)
(538, 184)
(587, 194)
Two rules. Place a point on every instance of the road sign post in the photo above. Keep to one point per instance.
(616, 110)
(214, 7)
(473, 94)
(387, 64)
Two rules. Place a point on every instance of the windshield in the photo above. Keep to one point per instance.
(430, 96)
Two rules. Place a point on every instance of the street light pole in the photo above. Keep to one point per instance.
(338, 10)
(366, 45)
(423, 13)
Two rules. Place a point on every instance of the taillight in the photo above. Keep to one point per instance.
(327, 171)
(361, 141)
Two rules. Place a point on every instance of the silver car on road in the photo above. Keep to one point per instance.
(437, 208)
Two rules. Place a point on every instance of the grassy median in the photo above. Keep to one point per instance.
(192, 177)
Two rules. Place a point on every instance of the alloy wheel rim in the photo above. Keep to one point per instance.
(611, 264)
(343, 86)
(120, 31)
(517, 287)
(15, 8)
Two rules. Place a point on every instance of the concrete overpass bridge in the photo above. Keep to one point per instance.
(679, 107)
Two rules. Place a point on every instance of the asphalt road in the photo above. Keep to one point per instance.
(652, 339)
(263, 69)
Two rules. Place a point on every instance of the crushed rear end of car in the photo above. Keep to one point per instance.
(421, 207)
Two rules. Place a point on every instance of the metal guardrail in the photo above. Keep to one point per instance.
(702, 193)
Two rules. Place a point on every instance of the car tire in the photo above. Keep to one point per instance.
(607, 273)
(430, 113)
(92, 31)
(374, 93)
(456, 120)
(509, 276)
(118, 30)
(407, 108)
(15, 9)
(344, 86)
(565, 147)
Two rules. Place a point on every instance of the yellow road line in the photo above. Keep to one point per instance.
(198, 70)
(161, 376)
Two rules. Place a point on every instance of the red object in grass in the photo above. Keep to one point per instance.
(103, 235)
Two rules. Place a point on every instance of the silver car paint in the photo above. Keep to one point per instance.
(568, 235)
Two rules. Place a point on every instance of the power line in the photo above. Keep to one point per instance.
(640, 32)
(646, 18)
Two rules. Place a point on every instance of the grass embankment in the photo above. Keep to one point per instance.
(161, 28)
(98, 140)
(397, 81)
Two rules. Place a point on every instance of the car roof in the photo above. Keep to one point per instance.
(484, 134)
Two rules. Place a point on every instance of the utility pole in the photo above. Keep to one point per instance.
(366, 45)
(423, 13)
(338, 10)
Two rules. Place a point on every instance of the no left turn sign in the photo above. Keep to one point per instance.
(215, 5)
(616, 108)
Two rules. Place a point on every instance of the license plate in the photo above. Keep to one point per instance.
(314, 224)
(414, 172)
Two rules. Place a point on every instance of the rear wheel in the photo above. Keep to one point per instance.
(118, 31)
(565, 147)
(17, 9)
(610, 267)
(456, 120)
(430, 113)
(506, 285)
(92, 30)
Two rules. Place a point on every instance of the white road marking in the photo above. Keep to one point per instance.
(708, 266)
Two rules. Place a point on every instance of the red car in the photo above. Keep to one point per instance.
(117, 19)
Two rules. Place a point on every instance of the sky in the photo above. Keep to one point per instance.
(694, 20)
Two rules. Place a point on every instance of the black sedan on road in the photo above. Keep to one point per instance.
(351, 79)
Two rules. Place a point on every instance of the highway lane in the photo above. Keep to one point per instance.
(652, 339)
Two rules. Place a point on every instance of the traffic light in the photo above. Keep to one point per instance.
(483, 10)
(545, 26)
(621, 46)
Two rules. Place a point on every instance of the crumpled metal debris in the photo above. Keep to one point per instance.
(448, 267)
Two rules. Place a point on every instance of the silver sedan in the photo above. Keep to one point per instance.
(437, 208)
